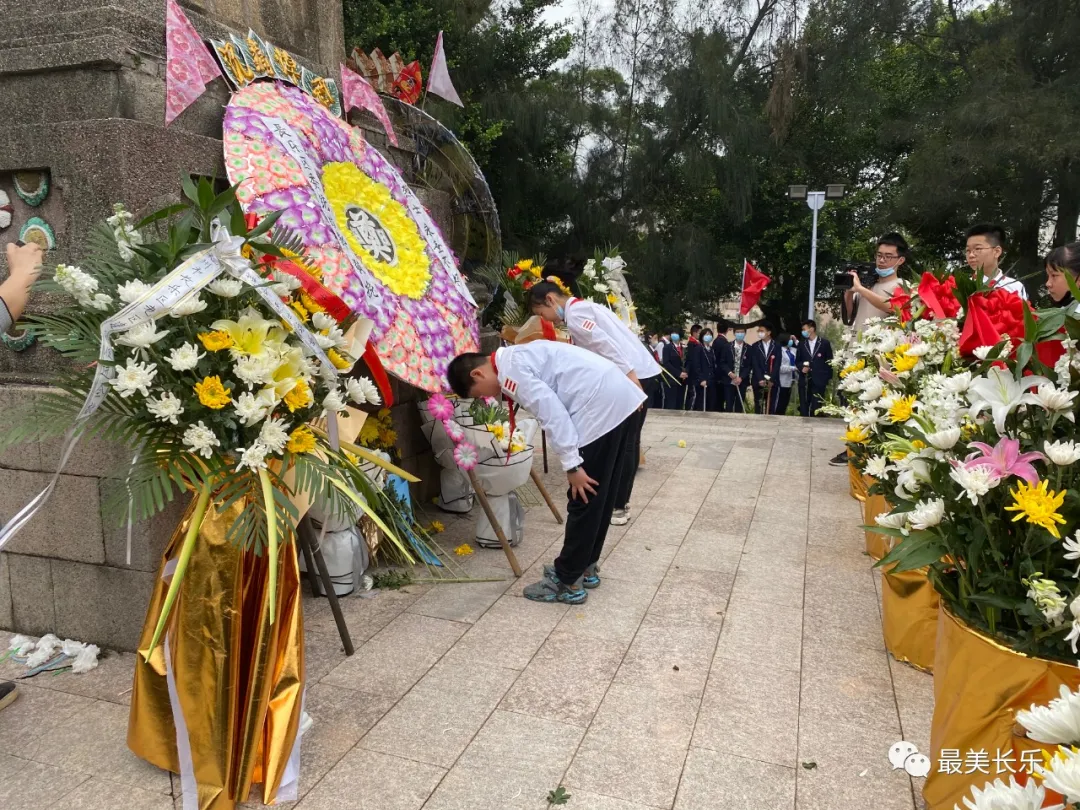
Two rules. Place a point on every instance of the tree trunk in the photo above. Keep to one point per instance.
(1068, 202)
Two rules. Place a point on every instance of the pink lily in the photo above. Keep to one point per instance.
(888, 377)
(1005, 459)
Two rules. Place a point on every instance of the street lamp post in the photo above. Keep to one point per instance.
(816, 201)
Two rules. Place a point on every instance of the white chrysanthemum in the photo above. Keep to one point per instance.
(166, 407)
(876, 466)
(226, 287)
(982, 352)
(601, 287)
(274, 435)
(872, 390)
(142, 336)
(958, 383)
(132, 291)
(190, 305)
(1058, 722)
(362, 391)
(185, 357)
(333, 339)
(134, 377)
(252, 408)
(1063, 775)
(201, 440)
(975, 481)
(321, 321)
(997, 795)
(1063, 453)
(254, 457)
(927, 514)
(893, 521)
(944, 439)
(334, 401)
(920, 349)
(100, 301)
(1055, 400)
(1047, 598)
(255, 369)
(287, 281)
(590, 269)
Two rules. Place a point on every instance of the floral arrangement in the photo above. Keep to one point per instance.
(223, 387)
(378, 433)
(488, 414)
(495, 417)
(967, 422)
(510, 281)
(603, 280)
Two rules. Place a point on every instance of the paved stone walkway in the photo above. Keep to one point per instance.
(732, 660)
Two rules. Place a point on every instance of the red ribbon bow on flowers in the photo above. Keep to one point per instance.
(939, 296)
(900, 303)
(990, 316)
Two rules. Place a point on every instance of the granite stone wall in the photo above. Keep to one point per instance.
(82, 96)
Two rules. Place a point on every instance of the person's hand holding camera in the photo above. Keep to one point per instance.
(856, 282)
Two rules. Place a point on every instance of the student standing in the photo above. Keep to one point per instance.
(656, 348)
(734, 367)
(721, 349)
(588, 408)
(984, 248)
(693, 361)
(598, 329)
(814, 360)
(765, 371)
(674, 365)
(702, 372)
(788, 373)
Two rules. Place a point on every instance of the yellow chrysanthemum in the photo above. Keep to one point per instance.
(301, 440)
(905, 363)
(1038, 505)
(498, 430)
(300, 262)
(558, 283)
(611, 299)
(854, 367)
(299, 396)
(212, 393)
(300, 310)
(902, 409)
(310, 304)
(464, 550)
(437, 527)
(216, 341)
(857, 435)
(339, 360)
(402, 265)
(919, 444)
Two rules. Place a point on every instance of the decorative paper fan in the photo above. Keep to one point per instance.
(376, 245)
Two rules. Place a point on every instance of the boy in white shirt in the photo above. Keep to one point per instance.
(984, 249)
(588, 408)
(598, 329)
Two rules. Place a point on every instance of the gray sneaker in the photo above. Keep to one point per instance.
(8, 693)
(551, 589)
(591, 578)
(620, 517)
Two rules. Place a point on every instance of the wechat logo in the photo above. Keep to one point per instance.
(905, 756)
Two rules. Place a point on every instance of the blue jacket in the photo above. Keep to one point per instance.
(762, 364)
(673, 361)
(820, 370)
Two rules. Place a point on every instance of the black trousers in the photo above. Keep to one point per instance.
(674, 393)
(633, 447)
(735, 396)
(811, 399)
(759, 398)
(587, 523)
(782, 400)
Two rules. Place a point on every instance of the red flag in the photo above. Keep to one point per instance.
(753, 285)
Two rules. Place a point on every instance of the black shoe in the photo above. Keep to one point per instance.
(8, 693)
(839, 460)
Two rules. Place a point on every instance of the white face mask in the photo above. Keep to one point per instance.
(761, 335)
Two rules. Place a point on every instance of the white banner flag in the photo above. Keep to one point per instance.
(439, 78)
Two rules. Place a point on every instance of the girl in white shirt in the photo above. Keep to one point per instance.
(598, 329)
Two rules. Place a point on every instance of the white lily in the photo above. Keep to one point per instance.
(1002, 394)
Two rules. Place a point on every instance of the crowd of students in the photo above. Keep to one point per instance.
(708, 372)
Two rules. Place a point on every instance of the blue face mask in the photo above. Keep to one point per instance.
(740, 336)
(805, 333)
(707, 339)
(885, 271)
(790, 343)
(560, 313)
(675, 337)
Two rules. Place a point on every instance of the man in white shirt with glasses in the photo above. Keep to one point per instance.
(984, 249)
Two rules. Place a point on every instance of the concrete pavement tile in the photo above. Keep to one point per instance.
(852, 767)
(94, 741)
(915, 699)
(756, 633)
(707, 551)
(510, 633)
(824, 623)
(638, 561)
(518, 742)
(584, 800)
(464, 601)
(750, 710)
(712, 780)
(780, 585)
(398, 656)
(673, 658)
(363, 616)
(729, 518)
(692, 597)
(103, 794)
(482, 788)
(23, 782)
(366, 780)
(612, 612)
(110, 680)
(35, 713)
(850, 682)
(636, 746)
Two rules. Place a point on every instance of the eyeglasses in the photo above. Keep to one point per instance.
(973, 251)
(884, 257)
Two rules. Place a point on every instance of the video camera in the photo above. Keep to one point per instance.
(867, 275)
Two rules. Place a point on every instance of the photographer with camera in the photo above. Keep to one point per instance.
(871, 287)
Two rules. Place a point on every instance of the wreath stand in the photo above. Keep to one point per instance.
(308, 541)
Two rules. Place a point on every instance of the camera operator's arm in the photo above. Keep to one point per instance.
(24, 266)
(879, 302)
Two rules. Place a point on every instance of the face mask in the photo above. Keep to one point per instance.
(805, 334)
(885, 271)
(675, 337)
(707, 339)
(560, 313)
(790, 343)
(761, 335)
(740, 336)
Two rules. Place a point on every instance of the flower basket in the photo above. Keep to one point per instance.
(978, 686)
(857, 484)
(909, 617)
(501, 476)
(877, 544)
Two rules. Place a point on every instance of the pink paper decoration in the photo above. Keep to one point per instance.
(188, 63)
(356, 92)
(439, 77)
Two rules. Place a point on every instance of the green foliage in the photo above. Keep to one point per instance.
(558, 796)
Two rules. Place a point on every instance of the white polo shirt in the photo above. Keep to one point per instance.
(599, 330)
(578, 396)
(1007, 283)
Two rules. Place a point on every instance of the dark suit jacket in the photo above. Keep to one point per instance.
(820, 370)
(673, 361)
(700, 363)
(762, 364)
